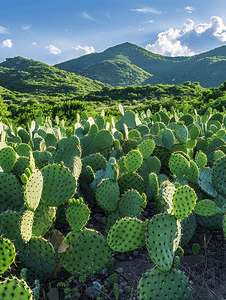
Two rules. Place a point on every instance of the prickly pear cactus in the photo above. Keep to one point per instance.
(84, 252)
(131, 181)
(178, 165)
(8, 158)
(127, 234)
(146, 148)
(168, 138)
(162, 240)
(23, 150)
(205, 182)
(7, 254)
(181, 132)
(205, 208)
(201, 159)
(156, 284)
(133, 161)
(219, 176)
(39, 254)
(26, 223)
(10, 198)
(59, 185)
(77, 215)
(21, 164)
(43, 219)
(33, 190)
(103, 139)
(108, 195)
(131, 203)
(184, 200)
(15, 289)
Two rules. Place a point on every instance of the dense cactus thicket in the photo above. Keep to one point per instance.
(50, 174)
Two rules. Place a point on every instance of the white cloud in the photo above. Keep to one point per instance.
(176, 42)
(147, 10)
(87, 16)
(33, 44)
(3, 30)
(189, 9)
(78, 51)
(149, 21)
(168, 44)
(7, 43)
(26, 27)
(53, 49)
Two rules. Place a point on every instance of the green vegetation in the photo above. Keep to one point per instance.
(129, 64)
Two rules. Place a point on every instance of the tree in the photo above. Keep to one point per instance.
(3, 109)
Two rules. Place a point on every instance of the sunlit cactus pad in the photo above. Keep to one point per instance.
(86, 252)
(15, 289)
(59, 185)
(156, 284)
(184, 200)
(33, 190)
(179, 165)
(26, 223)
(127, 234)
(7, 254)
(162, 239)
(146, 148)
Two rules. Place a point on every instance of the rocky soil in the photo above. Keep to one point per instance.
(206, 271)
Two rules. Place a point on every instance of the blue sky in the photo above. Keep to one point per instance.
(53, 31)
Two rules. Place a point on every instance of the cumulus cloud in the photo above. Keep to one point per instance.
(176, 42)
(78, 51)
(147, 10)
(149, 21)
(53, 49)
(7, 43)
(34, 43)
(3, 30)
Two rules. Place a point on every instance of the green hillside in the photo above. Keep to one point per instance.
(27, 78)
(128, 64)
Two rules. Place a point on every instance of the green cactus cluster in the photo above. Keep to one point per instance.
(51, 174)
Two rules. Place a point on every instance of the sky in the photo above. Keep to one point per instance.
(53, 31)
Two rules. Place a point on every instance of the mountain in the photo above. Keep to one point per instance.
(128, 64)
(27, 76)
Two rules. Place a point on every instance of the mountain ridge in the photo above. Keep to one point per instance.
(208, 68)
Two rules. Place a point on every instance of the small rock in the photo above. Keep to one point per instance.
(119, 270)
(127, 289)
(104, 272)
(130, 258)
(135, 253)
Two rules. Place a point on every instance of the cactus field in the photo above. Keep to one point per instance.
(133, 208)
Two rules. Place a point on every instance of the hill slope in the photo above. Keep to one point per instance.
(23, 75)
(128, 64)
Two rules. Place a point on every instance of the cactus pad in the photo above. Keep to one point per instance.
(178, 165)
(133, 160)
(103, 139)
(181, 132)
(205, 208)
(59, 185)
(7, 254)
(77, 216)
(162, 239)
(15, 289)
(127, 234)
(87, 252)
(168, 138)
(26, 223)
(108, 195)
(146, 148)
(205, 182)
(7, 158)
(33, 190)
(131, 181)
(219, 176)
(130, 204)
(156, 284)
(184, 200)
